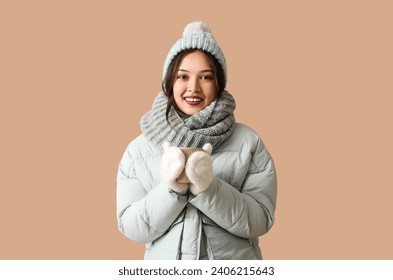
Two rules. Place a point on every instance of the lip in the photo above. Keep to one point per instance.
(193, 100)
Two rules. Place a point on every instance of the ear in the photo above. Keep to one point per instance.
(208, 148)
(166, 145)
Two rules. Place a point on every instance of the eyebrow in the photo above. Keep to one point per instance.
(203, 71)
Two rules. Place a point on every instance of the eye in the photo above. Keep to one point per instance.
(182, 77)
(206, 77)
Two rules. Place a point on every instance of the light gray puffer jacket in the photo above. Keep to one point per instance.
(223, 222)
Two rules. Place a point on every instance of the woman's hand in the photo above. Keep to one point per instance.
(172, 165)
(199, 169)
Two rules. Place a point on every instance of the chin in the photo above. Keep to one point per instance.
(191, 111)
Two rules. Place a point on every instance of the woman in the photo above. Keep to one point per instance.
(231, 195)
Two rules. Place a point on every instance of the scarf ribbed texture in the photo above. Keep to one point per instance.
(213, 125)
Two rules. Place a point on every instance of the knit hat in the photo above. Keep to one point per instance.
(196, 35)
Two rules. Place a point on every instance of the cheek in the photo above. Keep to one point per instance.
(177, 94)
(210, 99)
(211, 93)
(178, 89)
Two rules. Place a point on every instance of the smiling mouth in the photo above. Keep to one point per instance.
(193, 100)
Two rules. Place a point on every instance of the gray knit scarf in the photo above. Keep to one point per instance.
(213, 125)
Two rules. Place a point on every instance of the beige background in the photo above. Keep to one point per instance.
(313, 78)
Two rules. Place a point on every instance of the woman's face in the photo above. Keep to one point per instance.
(195, 84)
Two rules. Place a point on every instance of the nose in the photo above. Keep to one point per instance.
(193, 85)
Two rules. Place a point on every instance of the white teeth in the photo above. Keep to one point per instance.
(193, 99)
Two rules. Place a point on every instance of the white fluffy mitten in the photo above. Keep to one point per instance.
(199, 169)
(172, 165)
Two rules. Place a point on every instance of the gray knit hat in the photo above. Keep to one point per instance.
(196, 35)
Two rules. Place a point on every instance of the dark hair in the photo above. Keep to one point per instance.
(169, 79)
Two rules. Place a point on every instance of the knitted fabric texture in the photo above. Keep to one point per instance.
(196, 35)
(213, 125)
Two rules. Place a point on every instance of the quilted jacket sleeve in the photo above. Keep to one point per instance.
(144, 215)
(248, 213)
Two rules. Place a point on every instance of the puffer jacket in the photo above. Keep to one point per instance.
(223, 222)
